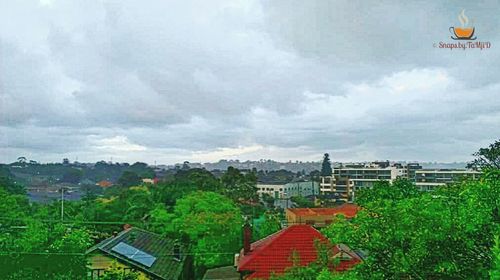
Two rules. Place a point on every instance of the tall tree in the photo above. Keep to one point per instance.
(212, 223)
(326, 166)
(486, 157)
(239, 186)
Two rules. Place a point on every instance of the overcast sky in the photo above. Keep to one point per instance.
(169, 81)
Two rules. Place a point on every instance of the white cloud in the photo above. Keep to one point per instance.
(117, 143)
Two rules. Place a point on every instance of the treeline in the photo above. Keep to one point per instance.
(25, 171)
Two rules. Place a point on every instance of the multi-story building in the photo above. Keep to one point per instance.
(340, 188)
(284, 191)
(429, 179)
(347, 179)
(411, 169)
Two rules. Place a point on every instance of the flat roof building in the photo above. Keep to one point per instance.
(429, 179)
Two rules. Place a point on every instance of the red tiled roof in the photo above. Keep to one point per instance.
(273, 253)
(349, 210)
(104, 183)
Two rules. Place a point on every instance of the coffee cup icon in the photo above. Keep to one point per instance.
(462, 33)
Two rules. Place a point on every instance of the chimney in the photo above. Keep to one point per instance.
(247, 238)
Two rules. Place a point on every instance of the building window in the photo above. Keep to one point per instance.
(310, 222)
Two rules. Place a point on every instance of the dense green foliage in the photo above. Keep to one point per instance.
(495, 270)
(31, 248)
(302, 202)
(271, 223)
(211, 222)
(33, 173)
(277, 176)
(447, 234)
(7, 183)
(129, 178)
(239, 186)
(191, 206)
(115, 273)
(487, 157)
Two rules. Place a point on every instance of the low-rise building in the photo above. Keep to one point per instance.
(285, 191)
(274, 190)
(151, 255)
(319, 217)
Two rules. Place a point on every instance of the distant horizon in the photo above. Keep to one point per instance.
(236, 160)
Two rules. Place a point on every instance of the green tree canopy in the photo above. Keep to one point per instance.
(446, 234)
(129, 178)
(487, 157)
(239, 186)
(212, 223)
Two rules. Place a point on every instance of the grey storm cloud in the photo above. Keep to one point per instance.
(203, 80)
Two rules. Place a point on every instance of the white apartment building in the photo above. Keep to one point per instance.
(346, 179)
(429, 179)
(284, 191)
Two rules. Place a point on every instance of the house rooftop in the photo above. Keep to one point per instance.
(104, 183)
(349, 210)
(273, 253)
(222, 273)
(153, 253)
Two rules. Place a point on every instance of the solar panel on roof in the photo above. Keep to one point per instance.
(134, 254)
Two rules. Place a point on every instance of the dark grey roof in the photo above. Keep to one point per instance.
(164, 267)
(222, 273)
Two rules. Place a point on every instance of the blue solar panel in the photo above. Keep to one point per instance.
(134, 254)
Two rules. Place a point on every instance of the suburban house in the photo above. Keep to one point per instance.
(104, 184)
(151, 255)
(320, 217)
(152, 181)
(273, 254)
